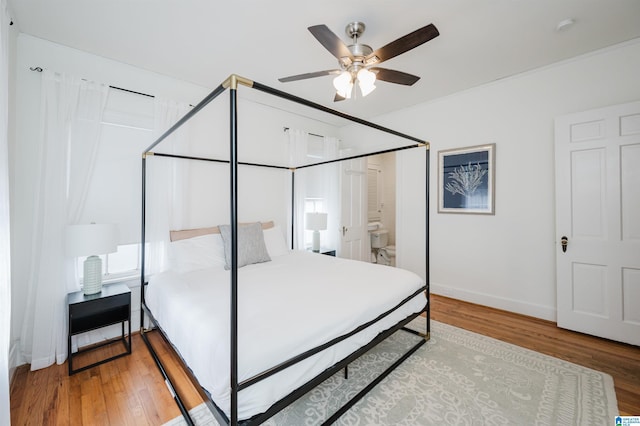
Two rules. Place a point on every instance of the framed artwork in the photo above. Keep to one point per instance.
(466, 180)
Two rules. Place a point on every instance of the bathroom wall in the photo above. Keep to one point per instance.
(387, 165)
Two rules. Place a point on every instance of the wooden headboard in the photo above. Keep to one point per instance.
(197, 232)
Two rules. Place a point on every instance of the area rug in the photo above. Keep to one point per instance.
(456, 378)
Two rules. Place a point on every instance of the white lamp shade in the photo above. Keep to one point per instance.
(316, 221)
(366, 81)
(93, 239)
(343, 84)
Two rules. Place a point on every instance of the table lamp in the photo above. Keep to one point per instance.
(316, 222)
(91, 240)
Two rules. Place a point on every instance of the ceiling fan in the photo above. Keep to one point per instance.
(358, 62)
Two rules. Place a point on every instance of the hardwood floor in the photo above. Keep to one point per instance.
(131, 391)
(127, 391)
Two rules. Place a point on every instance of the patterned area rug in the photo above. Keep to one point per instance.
(457, 378)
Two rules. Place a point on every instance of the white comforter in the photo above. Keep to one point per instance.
(291, 304)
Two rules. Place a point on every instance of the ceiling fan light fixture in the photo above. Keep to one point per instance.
(371, 60)
(353, 59)
(343, 84)
(366, 81)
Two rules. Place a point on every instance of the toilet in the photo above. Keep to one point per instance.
(387, 256)
(383, 253)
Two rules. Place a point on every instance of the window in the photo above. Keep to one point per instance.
(114, 191)
(121, 264)
(126, 259)
(315, 146)
(312, 205)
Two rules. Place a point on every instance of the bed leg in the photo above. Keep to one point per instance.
(346, 372)
(426, 336)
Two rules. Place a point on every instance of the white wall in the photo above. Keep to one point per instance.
(507, 260)
(389, 194)
(411, 208)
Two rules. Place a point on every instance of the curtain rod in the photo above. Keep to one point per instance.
(39, 69)
(310, 134)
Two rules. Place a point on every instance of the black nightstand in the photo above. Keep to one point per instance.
(111, 306)
(328, 252)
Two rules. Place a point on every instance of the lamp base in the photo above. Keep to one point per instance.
(92, 281)
(316, 242)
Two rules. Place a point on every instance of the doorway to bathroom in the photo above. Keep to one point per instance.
(381, 208)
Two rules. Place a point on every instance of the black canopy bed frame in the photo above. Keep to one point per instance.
(231, 84)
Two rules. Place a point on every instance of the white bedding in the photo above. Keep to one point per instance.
(291, 304)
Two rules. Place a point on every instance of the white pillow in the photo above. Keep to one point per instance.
(196, 253)
(275, 242)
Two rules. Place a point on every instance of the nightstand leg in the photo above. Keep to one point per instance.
(69, 355)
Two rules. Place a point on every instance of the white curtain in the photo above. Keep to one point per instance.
(5, 255)
(330, 192)
(317, 182)
(71, 114)
(167, 181)
(297, 146)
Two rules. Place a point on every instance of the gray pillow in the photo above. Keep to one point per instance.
(251, 246)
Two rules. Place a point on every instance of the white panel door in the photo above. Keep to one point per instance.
(598, 216)
(354, 210)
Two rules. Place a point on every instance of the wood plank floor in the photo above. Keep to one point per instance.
(131, 391)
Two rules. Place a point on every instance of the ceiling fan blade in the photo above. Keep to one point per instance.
(308, 75)
(393, 76)
(338, 98)
(403, 44)
(330, 41)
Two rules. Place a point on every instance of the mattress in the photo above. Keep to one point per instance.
(286, 306)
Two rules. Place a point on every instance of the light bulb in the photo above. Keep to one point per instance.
(343, 84)
(366, 81)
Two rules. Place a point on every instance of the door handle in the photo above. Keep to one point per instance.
(564, 241)
(344, 230)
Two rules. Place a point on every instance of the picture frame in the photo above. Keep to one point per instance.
(466, 180)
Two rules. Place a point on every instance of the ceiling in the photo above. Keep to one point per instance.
(204, 41)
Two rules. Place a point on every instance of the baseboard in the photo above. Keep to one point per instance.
(511, 305)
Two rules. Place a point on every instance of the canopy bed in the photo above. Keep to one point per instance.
(236, 317)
